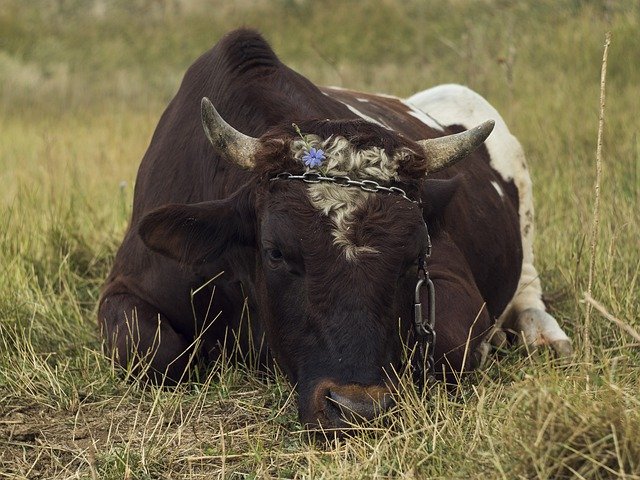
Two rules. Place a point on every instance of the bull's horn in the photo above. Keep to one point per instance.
(445, 151)
(234, 145)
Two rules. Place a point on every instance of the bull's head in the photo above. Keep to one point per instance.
(331, 269)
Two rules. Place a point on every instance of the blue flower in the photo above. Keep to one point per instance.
(313, 157)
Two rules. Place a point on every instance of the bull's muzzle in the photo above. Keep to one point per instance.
(340, 406)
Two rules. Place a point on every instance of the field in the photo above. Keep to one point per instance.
(82, 86)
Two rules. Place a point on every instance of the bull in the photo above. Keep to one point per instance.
(331, 216)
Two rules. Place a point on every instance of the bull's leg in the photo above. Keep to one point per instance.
(526, 314)
(140, 337)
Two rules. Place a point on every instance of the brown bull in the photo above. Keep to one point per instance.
(327, 263)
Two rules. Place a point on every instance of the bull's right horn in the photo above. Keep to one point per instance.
(237, 147)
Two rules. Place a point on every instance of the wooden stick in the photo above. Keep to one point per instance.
(596, 205)
(600, 308)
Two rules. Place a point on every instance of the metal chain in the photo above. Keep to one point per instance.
(344, 181)
(424, 328)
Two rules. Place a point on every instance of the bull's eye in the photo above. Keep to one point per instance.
(274, 255)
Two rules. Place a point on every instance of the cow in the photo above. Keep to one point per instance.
(302, 223)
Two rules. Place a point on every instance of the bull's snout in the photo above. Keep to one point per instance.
(364, 406)
(336, 406)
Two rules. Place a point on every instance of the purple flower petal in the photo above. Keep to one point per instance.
(313, 157)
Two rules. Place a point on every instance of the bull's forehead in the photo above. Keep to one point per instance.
(338, 203)
(342, 158)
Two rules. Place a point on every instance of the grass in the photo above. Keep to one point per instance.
(82, 85)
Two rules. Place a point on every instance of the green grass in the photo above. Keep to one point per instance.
(81, 89)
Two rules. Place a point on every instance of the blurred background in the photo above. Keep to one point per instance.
(68, 54)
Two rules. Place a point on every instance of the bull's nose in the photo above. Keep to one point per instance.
(360, 403)
(336, 406)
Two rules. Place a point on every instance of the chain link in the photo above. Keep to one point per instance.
(344, 181)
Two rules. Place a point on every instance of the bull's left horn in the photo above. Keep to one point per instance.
(445, 151)
(234, 145)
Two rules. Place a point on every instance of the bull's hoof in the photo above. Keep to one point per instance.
(497, 337)
(563, 348)
(536, 328)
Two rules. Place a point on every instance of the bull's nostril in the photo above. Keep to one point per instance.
(386, 402)
(365, 407)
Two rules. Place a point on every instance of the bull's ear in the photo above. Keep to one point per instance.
(200, 232)
(437, 194)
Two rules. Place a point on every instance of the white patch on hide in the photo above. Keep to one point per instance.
(428, 120)
(458, 105)
(386, 95)
(364, 116)
(498, 188)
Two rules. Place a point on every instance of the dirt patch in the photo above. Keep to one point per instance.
(160, 434)
(38, 441)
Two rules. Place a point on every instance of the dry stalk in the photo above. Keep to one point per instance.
(603, 311)
(596, 204)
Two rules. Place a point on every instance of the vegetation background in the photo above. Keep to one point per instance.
(82, 86)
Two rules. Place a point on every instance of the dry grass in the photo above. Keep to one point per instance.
(82, 85)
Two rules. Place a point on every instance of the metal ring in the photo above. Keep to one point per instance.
(369, 186)
(341, 180)
(311, 177)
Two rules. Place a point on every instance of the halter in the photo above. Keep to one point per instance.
(422, 361)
